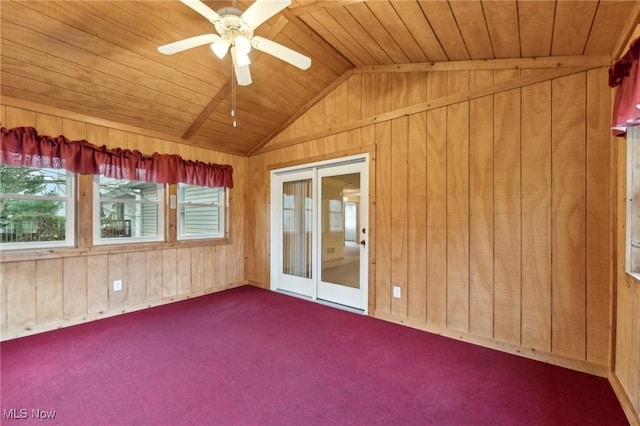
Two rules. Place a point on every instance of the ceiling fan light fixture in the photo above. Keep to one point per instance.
(220, 47)
(243, 46)
(235, 35)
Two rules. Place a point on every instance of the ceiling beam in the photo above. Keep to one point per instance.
(492, 64)
(208, 110)
(295, 20)
(273, 32)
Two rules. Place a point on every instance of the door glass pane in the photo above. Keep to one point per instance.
(339, 224)
(297, 217)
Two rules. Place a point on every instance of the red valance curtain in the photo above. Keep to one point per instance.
(624, 75)
(23, 146)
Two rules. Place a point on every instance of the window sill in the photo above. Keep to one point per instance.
(635, 276)
(53, 253)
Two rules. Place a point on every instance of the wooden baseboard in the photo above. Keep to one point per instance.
(258, 284)
(583, 366)
(14, 334)
(629, 410)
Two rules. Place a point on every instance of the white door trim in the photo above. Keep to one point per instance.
(300, 171)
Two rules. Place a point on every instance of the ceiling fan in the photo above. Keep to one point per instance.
(235, 33)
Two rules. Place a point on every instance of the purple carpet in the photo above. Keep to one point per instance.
(249, 356)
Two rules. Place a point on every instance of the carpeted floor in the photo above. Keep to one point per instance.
(249, 356)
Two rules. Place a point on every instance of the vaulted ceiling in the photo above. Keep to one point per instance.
(100, 58)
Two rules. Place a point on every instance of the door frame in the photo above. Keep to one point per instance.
(275, 226)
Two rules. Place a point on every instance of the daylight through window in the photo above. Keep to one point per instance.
(201, 212)
(36, 207)
(127, 211)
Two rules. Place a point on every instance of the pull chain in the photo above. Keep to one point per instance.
(233, 94)
(233, 87)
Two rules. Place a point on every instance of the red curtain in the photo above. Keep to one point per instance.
(623, 74)
(23, 146)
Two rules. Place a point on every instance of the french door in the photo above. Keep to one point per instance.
(319, 239)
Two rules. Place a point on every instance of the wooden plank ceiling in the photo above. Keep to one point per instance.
(99, 58)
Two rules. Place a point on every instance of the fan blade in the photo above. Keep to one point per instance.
(262, 10)
(281, 52)
(243, 75)
(188, 43)
(202, 9)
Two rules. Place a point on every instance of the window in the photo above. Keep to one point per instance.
(36, 207)
(127, 211)
(201, 212)
(335, 215)
(296, 196)
(633, 200)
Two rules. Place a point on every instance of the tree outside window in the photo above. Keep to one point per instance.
(36, 207)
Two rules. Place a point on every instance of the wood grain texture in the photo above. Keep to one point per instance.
(136, 278)
(49, 290)
(568, 228)
(97, 284)
(473, 27)
(481, 218)
(598, 219)
(536, 216)
(574, 23)
(503, 25)
(18, 117)
(457, 187)
(4, 325)
(220, 259)
(209, 268)
(19, 279)
(507, 211)
(440, 18)
(477, 92)
(96, 58)
(417, 203)
(75, 285)
(183, 272)
(399, 196)
(536, 34)
(436, 205)
(84, 211)
(383, 199)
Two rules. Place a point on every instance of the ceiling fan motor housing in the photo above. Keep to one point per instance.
(230, 25)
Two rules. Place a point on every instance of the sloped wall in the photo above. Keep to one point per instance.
(490, 203)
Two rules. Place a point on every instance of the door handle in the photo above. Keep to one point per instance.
(363, 242)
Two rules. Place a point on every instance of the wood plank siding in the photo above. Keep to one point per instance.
(488, 187)
(44, 290)
(491, 189)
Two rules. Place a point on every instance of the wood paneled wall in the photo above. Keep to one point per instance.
(490, 202)
(44, 290)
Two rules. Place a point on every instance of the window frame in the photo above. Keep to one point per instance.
(222, 215)
(71, 201)
(632, 195)
(161, 202)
